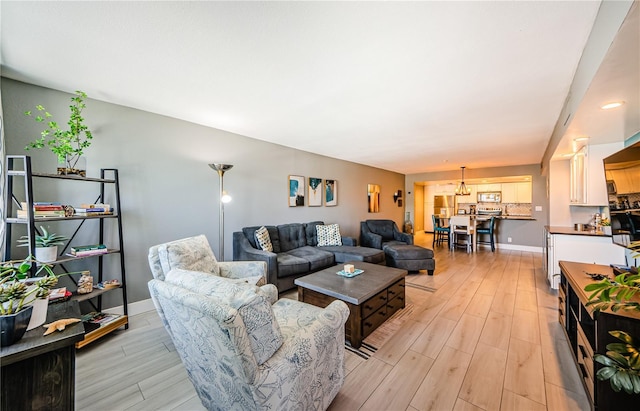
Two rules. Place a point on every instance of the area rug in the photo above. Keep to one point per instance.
(383, 333)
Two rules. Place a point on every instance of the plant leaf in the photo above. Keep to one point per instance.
(625, 381)
(605, 373)
(622, 336)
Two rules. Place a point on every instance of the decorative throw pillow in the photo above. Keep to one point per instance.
(263, 239)
(329, 235)
(192, 253)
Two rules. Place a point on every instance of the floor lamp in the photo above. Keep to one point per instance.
(224, 198)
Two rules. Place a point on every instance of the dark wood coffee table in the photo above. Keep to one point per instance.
(372, 296)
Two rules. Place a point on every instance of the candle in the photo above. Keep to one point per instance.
(349, 268)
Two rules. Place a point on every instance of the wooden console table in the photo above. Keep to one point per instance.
(38, 372)
(588, 333)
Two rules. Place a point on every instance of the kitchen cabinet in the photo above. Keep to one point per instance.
(579, 247)
(489, 187)
(588, 185)
(627, 180)
(509, 193)
(516, 192)
(524, 192)
(579, 177)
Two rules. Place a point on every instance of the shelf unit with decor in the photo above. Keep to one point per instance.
(19, 168)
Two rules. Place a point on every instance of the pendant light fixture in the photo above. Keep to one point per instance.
(462, 189)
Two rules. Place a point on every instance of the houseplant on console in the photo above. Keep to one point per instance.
(16, 297)
(46, 245)
(68, 145)
(621, 363)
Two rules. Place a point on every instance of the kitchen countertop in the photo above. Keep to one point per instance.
(505, 217)
(573, 231)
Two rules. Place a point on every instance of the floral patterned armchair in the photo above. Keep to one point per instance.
(242, 349)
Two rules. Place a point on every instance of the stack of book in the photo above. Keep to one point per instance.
(41, 210)
(88, 210)
(95, 320)
(85, 250)
(58, 295)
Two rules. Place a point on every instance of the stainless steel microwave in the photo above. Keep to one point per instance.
(490, 197)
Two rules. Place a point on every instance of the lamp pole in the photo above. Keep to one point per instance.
(224, 198)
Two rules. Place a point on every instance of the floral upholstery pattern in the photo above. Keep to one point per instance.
(193, 253)
(212, 337)
(249, 300)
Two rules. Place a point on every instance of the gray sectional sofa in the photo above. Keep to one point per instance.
(295, 252)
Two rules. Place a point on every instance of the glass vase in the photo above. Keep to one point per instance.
(73, 165)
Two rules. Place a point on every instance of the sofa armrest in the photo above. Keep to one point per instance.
(271, 292)
(369, 239)
(243, 269)
(349, 241)
(404, 237)
(336, 311)
(244, 251)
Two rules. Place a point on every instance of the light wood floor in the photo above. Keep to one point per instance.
(487, 338)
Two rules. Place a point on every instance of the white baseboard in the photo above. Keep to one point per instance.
(516, 247)
(138, 307)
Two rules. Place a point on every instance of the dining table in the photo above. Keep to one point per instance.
(475, 220)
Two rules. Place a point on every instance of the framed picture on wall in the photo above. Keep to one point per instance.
(296, 191)
(330, 193)
(315, 192)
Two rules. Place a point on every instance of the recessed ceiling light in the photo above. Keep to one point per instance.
(611, 105)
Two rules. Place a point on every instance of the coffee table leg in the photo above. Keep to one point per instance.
(355, 323)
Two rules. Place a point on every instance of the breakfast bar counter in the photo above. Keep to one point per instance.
(573, 231)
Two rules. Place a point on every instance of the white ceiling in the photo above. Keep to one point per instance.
(404, 86)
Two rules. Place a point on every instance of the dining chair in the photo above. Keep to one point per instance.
(487, 229)
(461, 232)
(440, 232)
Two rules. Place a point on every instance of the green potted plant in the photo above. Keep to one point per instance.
(621, 363)
(68, 145)
(46, 245)
(17, 296)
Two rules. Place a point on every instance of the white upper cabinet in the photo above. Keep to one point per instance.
(579, 177)
(509, 193)
(489, 187)
(524, 192)
(588, 183)
(516, 192)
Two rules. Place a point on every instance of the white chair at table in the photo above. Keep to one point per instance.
(461, 228)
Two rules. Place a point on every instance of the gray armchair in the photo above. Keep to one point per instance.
(378, 233)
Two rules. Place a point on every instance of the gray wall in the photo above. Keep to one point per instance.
(524, 233)
(167, 189)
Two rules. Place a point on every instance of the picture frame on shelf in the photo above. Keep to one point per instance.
(315, 192)
(296, 191)
(330, 193)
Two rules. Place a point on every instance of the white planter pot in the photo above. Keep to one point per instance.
(47, 254)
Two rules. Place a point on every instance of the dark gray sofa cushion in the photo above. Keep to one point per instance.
(289, 265)
(316, 257)
(312, 233)
(291, 236)
(345, 253)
